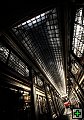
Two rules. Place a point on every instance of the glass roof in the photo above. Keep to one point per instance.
(42, 39)
(78, 36)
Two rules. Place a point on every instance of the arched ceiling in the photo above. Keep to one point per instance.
(44, 31)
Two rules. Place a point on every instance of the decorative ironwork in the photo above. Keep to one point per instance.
(42, 39)
(3, 53)
(18, 65)
(78, 36)
(13, 61)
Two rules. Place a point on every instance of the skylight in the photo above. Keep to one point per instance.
(34, 20)
(41, 38)
(78, 36)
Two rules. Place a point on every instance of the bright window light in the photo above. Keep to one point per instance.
(77, 44)
(41, 38)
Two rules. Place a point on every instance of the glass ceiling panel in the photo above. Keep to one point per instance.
(16, 64)
(4, 52)
(78, 36)
(41, 37)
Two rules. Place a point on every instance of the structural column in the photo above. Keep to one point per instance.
(53, 100)
(48, 104)
(56, 102)
(33, 116)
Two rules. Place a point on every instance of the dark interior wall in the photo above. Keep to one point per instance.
(11, 104)
(12, 11)
(8, 104)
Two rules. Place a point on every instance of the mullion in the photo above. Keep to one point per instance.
(76, 48)
(44, 37)
(77, 38)
(39, 34)
(16, 64)
(38, 56)
(79, 32)
(3, 55)
(33, 35)
(79, 24)
(75, 32)
(30, 40)
(47, 30)
(13, 60)
(81, 48)
(22, 67)
(38, 43)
